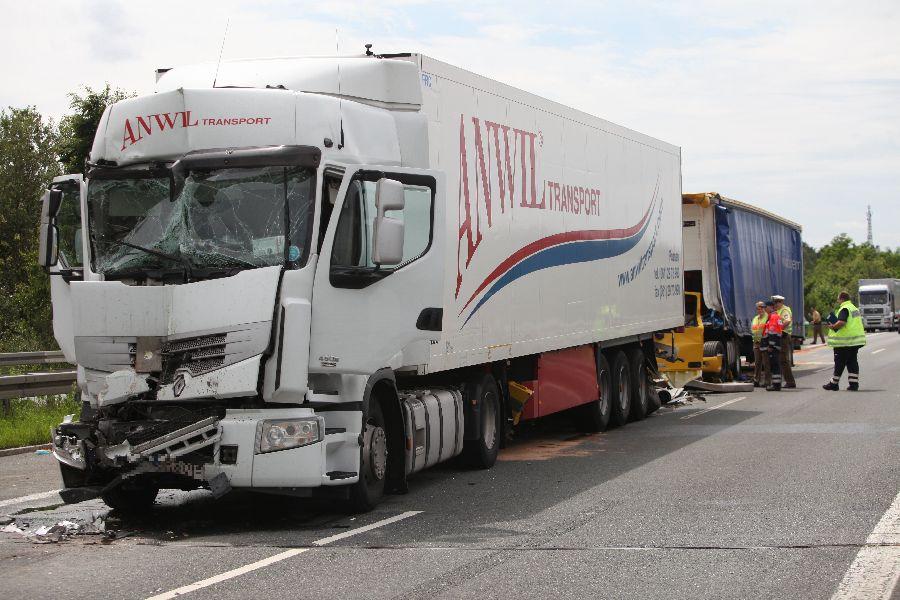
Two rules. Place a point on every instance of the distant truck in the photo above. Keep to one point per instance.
(879, 302)
(322, 275)
(735, 254)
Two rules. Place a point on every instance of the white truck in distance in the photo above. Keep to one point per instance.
(322, 275)
(879, 303)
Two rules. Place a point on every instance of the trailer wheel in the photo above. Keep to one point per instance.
(640, 386)
(733, 357)
(594, 417)
(132, 499)
(621, 389)
(366, 493)
(716, 348)
(481, 453)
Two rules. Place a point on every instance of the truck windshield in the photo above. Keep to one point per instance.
(873, 298)
(220, 218)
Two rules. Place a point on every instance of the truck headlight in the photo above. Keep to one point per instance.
(281, 434)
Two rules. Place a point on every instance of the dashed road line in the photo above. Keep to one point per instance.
(29, 498)
(186, 589)
(876, 568)
(712, 408)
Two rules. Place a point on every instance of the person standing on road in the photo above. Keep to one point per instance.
(772, 334)
(787, 341)
(816, 319)
(761, 375)
(846, 336)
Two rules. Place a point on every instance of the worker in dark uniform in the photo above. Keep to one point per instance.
(772, 333)
(846, 335)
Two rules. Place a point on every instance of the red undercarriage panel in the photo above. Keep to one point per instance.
(566, 378)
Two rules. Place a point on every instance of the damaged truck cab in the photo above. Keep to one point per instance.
(201, 218)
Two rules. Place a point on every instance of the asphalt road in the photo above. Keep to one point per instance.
(767, 495)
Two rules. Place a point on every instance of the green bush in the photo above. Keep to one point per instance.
(30, 419)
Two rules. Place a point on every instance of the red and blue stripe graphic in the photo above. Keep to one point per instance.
(560, 249)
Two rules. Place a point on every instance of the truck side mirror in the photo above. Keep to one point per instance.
(387, 242)
(48, 251)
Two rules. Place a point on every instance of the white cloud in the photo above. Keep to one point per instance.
(794, 107)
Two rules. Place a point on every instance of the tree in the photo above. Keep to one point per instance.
(27, 165)
(77, 129)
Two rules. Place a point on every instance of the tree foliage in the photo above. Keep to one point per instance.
(77, 129)
(27, 165)
(839, 265)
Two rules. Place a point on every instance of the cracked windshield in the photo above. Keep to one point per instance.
(220, 219)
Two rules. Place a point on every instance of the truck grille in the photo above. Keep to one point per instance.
(871, 311)
(196, 355)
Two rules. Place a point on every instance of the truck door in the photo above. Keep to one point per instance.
(70, 245)
(365, 315)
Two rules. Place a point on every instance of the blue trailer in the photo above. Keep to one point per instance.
(736, 254)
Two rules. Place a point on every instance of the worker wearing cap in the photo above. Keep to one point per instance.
(772, 333)
(787, 319)
(846, 336)
(761, 375)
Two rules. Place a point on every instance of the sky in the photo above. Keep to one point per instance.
(791, 106)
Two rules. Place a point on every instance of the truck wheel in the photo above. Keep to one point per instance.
(716, 348)
(640, 386)
(482, 453)
(366, 493)
(733, 358)
(621, 389)
(130, 500)
(594, 417)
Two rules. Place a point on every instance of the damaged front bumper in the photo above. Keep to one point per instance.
(232, 447)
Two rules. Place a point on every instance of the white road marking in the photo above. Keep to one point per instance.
(186, 589)
(29, 498)
(876, 568)
(358, 530)
(879, 350)
(712, 408)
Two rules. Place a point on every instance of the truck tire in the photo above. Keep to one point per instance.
(716, 348)
(733, 358)
(640, 385)
(594, 417)
(132, 499)
(367, 493)
(481, 453)
(621, 389)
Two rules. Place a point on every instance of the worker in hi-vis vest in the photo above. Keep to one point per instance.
(772, 333)
(846, 335)
(787, 341)
(761, 375)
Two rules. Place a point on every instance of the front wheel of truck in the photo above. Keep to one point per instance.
(131, 499)
(366, 493)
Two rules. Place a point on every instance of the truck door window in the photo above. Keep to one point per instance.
(351, 255)
(68, 225)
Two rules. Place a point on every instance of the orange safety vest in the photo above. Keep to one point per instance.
(774, 326)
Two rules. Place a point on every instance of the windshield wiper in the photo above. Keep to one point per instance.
(188, 273)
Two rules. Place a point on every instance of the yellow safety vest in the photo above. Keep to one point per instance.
(759, 322)
(853, 333)
(787, 315)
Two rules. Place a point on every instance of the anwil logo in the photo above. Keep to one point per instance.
(145, 125)
(506, 160)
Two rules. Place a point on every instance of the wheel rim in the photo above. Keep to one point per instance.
(623, 388)
(644, 392)
(605, 389)
(489, 420)
(375, 452)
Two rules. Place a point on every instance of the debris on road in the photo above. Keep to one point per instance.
(57, 532)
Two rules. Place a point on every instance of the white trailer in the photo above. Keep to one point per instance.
(320, 275)
(879, 302)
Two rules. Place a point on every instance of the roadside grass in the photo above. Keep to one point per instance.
(30, 419)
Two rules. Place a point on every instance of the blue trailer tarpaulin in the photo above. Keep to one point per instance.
(757, 257)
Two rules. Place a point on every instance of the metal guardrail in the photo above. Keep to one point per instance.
(33, 384)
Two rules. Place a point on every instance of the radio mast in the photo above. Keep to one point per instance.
(869, 224)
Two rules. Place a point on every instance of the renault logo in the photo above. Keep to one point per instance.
(179, 385)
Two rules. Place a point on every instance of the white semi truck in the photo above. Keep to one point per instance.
(317, 276)
(879, 302)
